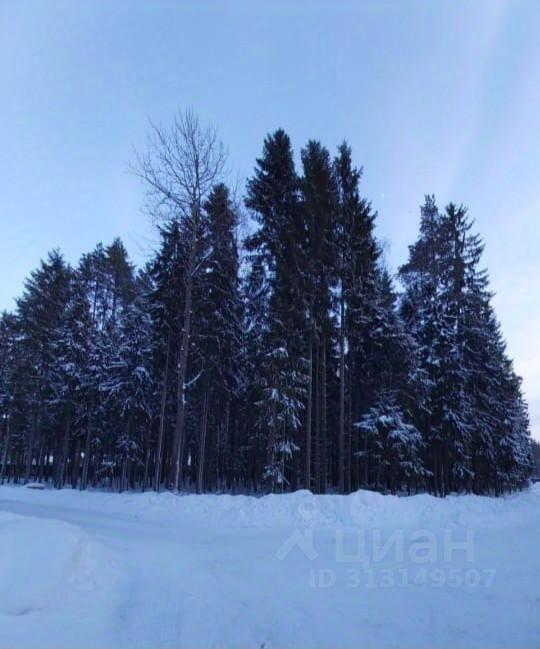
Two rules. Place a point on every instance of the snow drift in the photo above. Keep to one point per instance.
(301, 508)
(158, 570)
(38, 560)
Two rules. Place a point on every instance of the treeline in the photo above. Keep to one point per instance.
(288, 360)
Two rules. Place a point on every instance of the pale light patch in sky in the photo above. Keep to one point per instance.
(439, 97)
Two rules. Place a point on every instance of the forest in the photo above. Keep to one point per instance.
(290, 358)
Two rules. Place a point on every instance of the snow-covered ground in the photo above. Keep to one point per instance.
(145, 570)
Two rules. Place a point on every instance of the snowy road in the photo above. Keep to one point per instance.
(141, 570)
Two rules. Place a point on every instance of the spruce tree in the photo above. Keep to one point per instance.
(470, 388)
(8, 388)
(273, 198)
(167, 272)
(40, 312)
(218, 337)
(319, 211)
(356, 258)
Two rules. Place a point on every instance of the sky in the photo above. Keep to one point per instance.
(434, 97)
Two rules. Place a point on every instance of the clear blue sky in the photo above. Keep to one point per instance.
(434, 96)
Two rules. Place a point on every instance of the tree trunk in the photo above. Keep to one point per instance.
(7, 438)
(349, 437)
(307, 475)
(64, 455)
(355, 443)
(366, 462)
(317, 462)
(30, 449)
(123, 479)
(341, 441)
(202, 442)
(178, 446)
(76, 463)
(434, 477)
(146, 465)
(163, 406)
(222, 468)
(42, 456)
(87, 445)
(324, 423)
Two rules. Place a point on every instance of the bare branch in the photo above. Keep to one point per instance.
(180, 166)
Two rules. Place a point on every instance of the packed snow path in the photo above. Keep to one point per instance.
(146, 570)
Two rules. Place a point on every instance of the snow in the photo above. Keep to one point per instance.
(49, 570)
(92, 569)
(35, 485)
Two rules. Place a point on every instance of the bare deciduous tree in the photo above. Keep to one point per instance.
(181, 165)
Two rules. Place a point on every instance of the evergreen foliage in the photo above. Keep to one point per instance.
(303, 364)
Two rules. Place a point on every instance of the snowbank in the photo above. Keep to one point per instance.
(38, 559)
(360, 509)
(302, 508)
(94, 570)
(50, 571)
